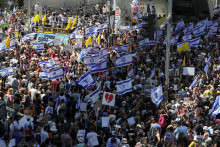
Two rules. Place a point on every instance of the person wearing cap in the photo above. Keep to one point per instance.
(206, 133)
(124, 142)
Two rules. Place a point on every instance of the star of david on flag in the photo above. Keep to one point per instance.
(157, 95)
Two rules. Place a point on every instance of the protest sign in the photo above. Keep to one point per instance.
(189, 71)
(48, 38)
(105, 122)
(108, 99)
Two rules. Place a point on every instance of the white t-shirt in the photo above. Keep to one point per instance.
(33, 93)
(90, 135)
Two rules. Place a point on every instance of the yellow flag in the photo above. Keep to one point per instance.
(17, 34)
(160, 21)
(88, 41)
(121, 41)
(99, 39)
(26, 24)
(45, 18)
(36, 18)
(183, 47)
(69, 24)
(129, 48)
(74, 22)
(127, 39)
(184, 61)
(7, 42)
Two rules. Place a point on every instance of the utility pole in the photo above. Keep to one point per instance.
(167, 66)
(29, 15)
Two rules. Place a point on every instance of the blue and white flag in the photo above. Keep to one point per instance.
(208, 24)
(2, 47)
(103, 54)
(194, 42)
(139, 26)
(86, 80)
(187, 37)
(30, 37)
(131, 73)
(135, 2)
(143, 42)
(105, 26)
(99, 28)
(193, 83)
(157, 95)
(99, 67)
(214, 28)
(95, 94)
(42, 64)
(215, 108)
(89, 61)
(12, 43)
(55, 73)
(124, 86)
(152, 42)
(206, 68)
(152, 74)
(82, 54)
(124, 60)
(43, 75)
(78, 103)
(90, 31)
(121, 49)
(73, 35)
(188, 29)
(7, 71)
(39, 46)
(14, 11)
(180, 25)
(199, 30)
(202, 22)
(93, 51)
(138, 16)
(50, 64)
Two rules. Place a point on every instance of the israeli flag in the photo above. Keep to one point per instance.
(93, 51)
(188, 29)
(50, 64)
(208, 24)
(124, 60)
(7, 71)
(160, 33)
(152, 74)
(86, 80)
(187, 37)
(135, 2)
(39, 46)
(88, 61)
(105, 26)
(202, 22)
(55, 73)
(12, 43)
(139, 26)
(43, 75)
(2, 47)
(42, 64)
(172, 41)
(14, 11)
(78, 104)
(30, 37)
(194, 42)
(157, 95)
(90, 31)
(99, 67)
(73, 35)
(121, 49)
(138, 16)
(215, 108)
(206, 68)
(124, 86)
(199, 30)
(214, 28)
(103, 54)
(180, 25)
(152, 42)
(143, 43)
(193, 83)
(99, 28)
(82, 54)
(130, 73)
(95, 94)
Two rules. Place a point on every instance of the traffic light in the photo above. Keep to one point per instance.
(149, 26)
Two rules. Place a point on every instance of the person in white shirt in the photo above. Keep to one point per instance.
(37, 7)
(90, 135)
(28, 123)
(44, 135)
(33, 92)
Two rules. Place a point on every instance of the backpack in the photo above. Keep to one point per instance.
(162, 121)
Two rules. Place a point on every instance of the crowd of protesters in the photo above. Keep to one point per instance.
(183, 120)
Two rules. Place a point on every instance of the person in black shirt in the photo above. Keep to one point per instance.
(189, 137)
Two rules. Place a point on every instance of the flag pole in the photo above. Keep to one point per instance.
(169, 6)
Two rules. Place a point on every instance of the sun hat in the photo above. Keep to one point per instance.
(53, 129)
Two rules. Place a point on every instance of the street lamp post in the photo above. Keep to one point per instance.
(167, 66)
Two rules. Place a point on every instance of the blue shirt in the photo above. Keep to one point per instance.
(18, 136)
